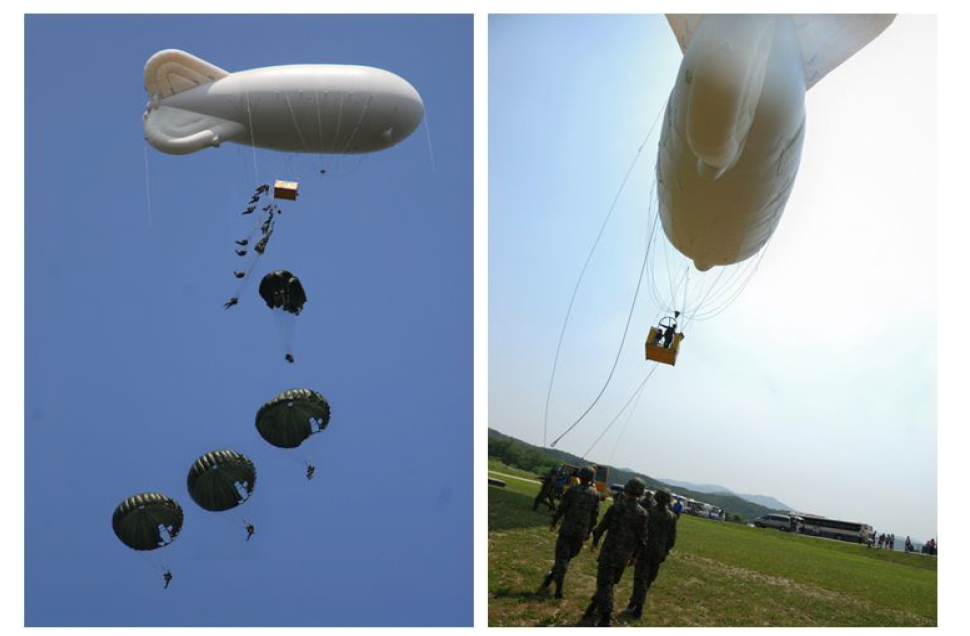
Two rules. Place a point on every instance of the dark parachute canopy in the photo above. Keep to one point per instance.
(221, 480)
(137, 519)
(283, 290)
(292, 416)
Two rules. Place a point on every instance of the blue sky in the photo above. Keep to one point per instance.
(818, 384)
(133, 368)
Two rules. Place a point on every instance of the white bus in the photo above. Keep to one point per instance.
(834, 528)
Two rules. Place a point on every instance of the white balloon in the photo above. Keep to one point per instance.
(735, 123)
(313, 108)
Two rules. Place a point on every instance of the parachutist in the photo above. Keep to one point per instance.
(254, 199)
(250, 209)
(243, 242)
(232, 301)
(309, 471)
(263, 188)
(323, 172)
(240, 252)
(239, 274)
(265, 226)
(168, 578)
(268, 207)
(250, 531)
(289, 358)
(261, 246)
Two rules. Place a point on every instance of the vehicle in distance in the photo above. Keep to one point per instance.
(780, 522)
(853, 531)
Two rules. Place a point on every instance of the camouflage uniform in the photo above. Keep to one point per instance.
(625, 525)
(545, 493)
(661, 535)
(579, 510)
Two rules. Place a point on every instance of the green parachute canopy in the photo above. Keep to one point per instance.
(143, 521)
(221, 480)
(292, 416)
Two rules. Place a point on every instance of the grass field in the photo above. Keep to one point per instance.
(719, 574)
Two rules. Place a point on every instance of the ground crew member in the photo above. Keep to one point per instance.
(625, 526)
(661, 536)
(545, 491)
(579, 511)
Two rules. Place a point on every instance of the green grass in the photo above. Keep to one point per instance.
(498, 466)
(719, 574)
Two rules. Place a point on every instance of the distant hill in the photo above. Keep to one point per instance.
(515, 452)
(761, 500)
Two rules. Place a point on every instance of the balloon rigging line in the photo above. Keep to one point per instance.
(617, 416)
(316, 99)
(582, 273)
(360, 120)
(427, 130)
(148, 194)
(296, 125)
(252, 137)
(619, 350)
(629, 418)
(336, 132)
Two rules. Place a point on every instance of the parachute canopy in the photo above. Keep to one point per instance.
(281, 289)
(221, 480)
(292, 416)
(143, 521)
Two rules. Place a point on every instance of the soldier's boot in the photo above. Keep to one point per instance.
(590, 610)
(546, 581)
(605, 619)
(636, 611)
(558, 589)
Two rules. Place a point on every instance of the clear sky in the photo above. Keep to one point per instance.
(818, 384)
(133, 368)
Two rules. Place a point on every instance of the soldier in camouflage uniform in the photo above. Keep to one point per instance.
(545, 491)
(661, 536)
(625, 525)
(579, 510)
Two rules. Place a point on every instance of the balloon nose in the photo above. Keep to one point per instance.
(707, 171)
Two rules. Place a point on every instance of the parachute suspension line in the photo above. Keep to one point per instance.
(296, 124)
(579, 280)
(144, 557)
(427, 130)
(360, 120)
(621, 411)
(619, 350)
(252, 137)
(148, 193)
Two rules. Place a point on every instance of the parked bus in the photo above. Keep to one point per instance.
(835, 529)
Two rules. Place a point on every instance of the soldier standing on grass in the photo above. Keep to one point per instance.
(579, 511)
(661, 536)
(545, 491)
(625, 526)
